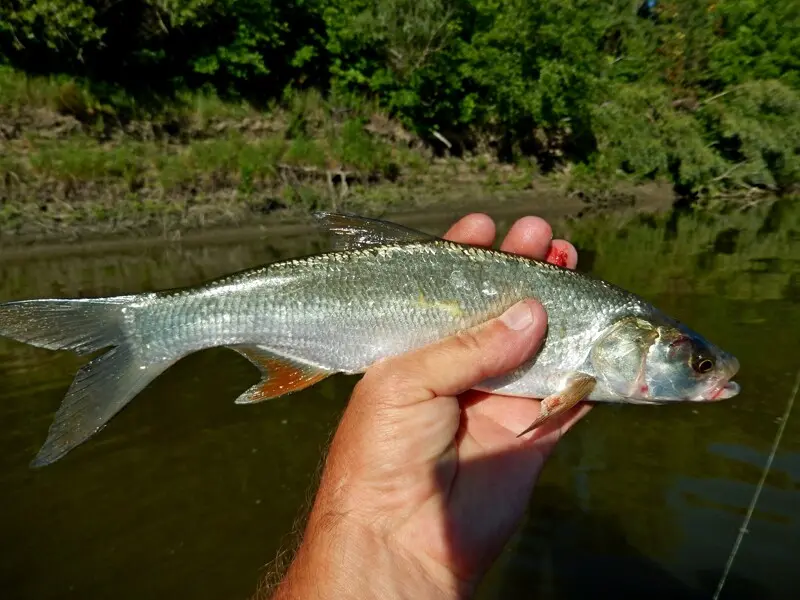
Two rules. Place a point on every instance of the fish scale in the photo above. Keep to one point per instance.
(377, 303)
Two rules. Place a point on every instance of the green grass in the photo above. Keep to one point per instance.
(211, 142)
(20, 90)
(225, 161)
(303, 151)
(85, 160)
(91, 104)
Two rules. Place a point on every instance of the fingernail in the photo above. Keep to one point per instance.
(518, 317)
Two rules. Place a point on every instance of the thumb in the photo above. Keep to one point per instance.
(460, 362)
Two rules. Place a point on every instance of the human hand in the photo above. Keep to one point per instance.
(426, 479)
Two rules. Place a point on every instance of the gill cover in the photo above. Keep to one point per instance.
(619, 357)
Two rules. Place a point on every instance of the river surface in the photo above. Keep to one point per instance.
(186, 495)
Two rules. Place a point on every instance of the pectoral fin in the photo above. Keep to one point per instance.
(578, 388)
(279, 375)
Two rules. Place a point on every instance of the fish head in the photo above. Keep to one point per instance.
(655, 361)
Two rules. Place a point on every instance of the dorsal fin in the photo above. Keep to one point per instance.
(349, 232)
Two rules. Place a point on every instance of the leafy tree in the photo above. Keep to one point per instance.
(49, 27)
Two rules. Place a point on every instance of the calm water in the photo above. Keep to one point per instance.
(185, 494)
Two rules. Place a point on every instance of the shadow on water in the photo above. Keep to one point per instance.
(576, 552)
(566, 552)
(185, 494)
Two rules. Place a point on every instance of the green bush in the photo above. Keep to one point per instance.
(756, 127)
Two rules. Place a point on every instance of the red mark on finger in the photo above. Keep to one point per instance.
(557, 256)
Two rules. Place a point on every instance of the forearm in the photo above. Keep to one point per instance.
(348, 561)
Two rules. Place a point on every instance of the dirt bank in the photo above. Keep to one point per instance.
(418, 210)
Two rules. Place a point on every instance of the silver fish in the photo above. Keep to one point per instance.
(384, 289)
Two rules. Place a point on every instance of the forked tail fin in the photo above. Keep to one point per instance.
(102, 387)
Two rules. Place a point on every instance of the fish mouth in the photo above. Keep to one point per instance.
(727, 389)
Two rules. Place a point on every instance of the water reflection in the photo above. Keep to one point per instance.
(186, 494)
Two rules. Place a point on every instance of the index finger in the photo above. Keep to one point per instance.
(477, 229)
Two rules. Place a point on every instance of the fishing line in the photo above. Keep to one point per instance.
(759, 487)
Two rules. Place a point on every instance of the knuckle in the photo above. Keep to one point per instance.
(379, 380)
(468, 341)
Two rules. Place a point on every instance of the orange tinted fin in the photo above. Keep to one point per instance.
(279, 375)
(579, 387)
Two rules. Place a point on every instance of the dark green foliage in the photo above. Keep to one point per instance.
(257, 46)
(757, 39)
(703, 93)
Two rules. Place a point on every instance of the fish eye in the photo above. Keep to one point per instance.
(703, 365)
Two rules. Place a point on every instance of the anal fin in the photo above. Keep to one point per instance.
(578, 388)
(279, 375)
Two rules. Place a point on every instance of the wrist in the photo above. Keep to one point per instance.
(341, 559)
